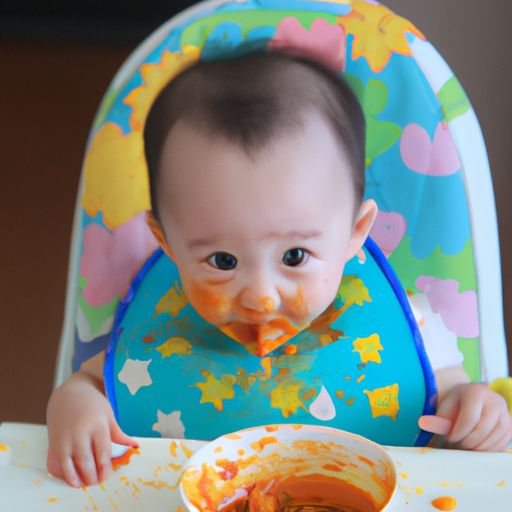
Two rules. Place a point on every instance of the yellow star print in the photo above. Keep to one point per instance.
(384, 401)
(368, 348)
(175, 345)
(285, 396)
(172, 302)
(214, 391)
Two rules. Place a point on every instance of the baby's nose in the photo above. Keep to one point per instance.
(263, 303)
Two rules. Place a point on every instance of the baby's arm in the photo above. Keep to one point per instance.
(81, 426)
(471, 416)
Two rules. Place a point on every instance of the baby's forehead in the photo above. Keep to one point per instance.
(252, 101)
(300, 173)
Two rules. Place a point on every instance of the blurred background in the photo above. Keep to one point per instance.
(56, 61)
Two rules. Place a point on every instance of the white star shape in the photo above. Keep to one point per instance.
(135, 375)
(170, 425)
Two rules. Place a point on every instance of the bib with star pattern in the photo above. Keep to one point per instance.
(360, 366)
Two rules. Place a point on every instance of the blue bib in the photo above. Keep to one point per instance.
(360, 366)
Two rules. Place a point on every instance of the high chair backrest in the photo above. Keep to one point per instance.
(426, 165)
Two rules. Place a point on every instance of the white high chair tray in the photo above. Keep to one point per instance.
(479, 481)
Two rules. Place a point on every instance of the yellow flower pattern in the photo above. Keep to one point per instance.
(115, 176)
(378, 33)
(155, 77)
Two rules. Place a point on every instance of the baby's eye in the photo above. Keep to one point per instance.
(295, 257)
(222, 261)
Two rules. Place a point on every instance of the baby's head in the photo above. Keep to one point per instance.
(257, 177)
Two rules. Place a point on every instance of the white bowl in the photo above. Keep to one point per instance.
(289, 468)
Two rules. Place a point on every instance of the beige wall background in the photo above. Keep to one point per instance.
(49, 93)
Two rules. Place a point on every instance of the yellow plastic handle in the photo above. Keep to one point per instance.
(503, 386)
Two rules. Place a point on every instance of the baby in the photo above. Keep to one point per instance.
(257, 179)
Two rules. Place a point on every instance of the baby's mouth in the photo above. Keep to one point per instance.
(263, 338)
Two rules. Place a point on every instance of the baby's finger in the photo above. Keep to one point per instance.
(435, 424)
(119, 437)
(498, 439)
(102, 449)
(69, 472)
(502, 444)
(484, 428)
(53, 466)
(84, 463)
(467, 419)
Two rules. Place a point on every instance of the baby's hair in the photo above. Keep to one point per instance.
(252, 99)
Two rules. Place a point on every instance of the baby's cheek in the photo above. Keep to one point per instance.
(321, 294)
(297, 306)
(212, 306)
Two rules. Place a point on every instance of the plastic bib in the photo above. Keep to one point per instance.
(360, 366)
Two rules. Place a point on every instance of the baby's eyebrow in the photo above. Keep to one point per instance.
(304, 235)
(201, 242)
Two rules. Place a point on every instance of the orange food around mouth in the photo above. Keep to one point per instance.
(256, 336)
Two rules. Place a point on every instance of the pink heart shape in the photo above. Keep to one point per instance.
(459, 311)
(436, 158)
(323, 42)
(110, 260)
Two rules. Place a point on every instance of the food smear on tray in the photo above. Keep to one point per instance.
(445, 503)
(124, 459)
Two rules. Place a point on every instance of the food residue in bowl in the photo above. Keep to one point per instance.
(308, 493)
(278, 474)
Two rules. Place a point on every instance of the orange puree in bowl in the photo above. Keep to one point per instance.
(309, 493)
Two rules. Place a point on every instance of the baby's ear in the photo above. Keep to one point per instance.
(362, 226)
(158, 233)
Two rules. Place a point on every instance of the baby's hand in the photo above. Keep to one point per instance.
(81, 426)
(472, 417)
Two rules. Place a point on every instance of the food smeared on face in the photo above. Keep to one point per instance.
(259, 331)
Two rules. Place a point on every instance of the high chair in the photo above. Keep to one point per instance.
(426, 166)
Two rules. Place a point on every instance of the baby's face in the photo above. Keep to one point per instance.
(260, 243)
